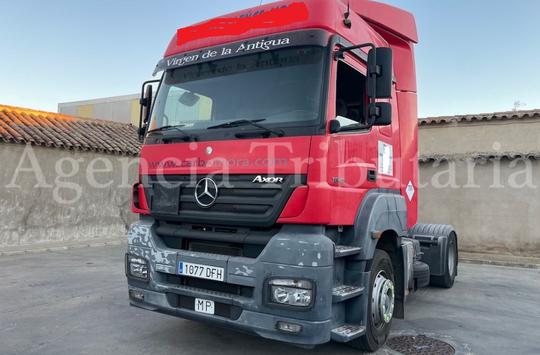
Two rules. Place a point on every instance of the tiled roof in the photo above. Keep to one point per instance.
(479, 157)
(496, 116)
(21, 125)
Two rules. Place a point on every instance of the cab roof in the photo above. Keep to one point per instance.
(291, 15)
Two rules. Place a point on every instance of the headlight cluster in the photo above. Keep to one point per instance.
(137, 267)
(290, 292)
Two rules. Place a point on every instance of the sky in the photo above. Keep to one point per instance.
(474, 56)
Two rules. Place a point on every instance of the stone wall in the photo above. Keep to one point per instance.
(55, 195)
(469, 138)
(481, 173)
(481, 176)
(494, 204)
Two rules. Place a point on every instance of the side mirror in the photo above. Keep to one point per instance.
(380, 75)
(146, 105)
(380, 114)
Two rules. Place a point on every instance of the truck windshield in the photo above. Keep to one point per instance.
(281, 87)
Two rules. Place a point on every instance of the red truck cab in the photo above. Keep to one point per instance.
(278, 176)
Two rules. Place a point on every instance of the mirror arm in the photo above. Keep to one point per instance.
(338, 54)
(373, 70)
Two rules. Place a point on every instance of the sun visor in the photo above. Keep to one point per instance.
(256, 45)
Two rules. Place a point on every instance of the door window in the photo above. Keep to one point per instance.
(350, 97)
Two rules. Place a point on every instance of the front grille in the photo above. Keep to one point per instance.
(215, 248)
(239, 202)
(242, 241)
(210, 285)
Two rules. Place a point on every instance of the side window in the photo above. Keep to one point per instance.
(350, 97)
(181, 103)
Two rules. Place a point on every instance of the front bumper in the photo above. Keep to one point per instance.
(302, 252)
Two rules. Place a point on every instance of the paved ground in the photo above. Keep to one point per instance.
(75, 302)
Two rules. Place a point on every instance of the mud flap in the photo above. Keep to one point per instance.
(406, 278)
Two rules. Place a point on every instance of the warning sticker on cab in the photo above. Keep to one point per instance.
(386, 159)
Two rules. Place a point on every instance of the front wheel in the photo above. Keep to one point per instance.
(380, 305)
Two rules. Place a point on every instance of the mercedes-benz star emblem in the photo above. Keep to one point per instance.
(206, 192)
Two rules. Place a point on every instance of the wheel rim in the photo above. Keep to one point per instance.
(451, 259)
(382, 301)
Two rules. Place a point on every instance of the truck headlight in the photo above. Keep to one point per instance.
(137, 267)
(290, 292)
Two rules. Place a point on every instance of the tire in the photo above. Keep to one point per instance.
(376, 331)
(451, 257)
(421, 274)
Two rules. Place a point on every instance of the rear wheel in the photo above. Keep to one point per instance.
(447, 279)
(380, 305)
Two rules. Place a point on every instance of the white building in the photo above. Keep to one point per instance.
(124, 109)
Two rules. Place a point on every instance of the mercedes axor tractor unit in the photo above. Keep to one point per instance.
(277, 188)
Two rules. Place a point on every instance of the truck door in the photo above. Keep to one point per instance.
(352, 156)
(360, 156)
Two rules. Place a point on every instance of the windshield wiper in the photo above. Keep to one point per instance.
(177, 127)
(168, 128)
(244, 122)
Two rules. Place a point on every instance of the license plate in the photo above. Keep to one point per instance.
(201, 271)
(204, 306)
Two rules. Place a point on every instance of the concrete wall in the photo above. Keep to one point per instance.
(494, 205)
(492, 198)
(54, 195)
(466, 138)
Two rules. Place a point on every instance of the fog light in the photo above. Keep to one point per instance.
(289, 327)
(136, 295)
(297, 293)
(137, 267)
